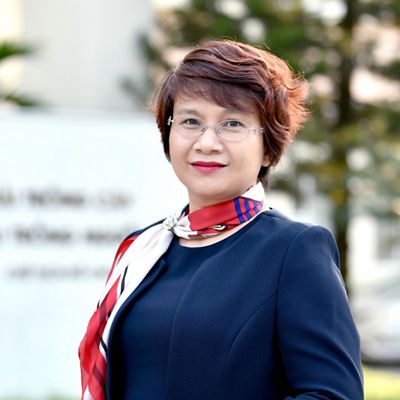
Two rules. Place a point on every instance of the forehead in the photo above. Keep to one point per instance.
(205, 106)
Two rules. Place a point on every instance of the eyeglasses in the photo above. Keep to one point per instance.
(231, 130)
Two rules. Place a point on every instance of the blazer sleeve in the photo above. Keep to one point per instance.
(318, 341)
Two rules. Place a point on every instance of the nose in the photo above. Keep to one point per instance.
(208, 141)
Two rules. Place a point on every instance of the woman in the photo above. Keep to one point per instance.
(225, 301)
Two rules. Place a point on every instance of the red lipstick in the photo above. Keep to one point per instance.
(207, 167)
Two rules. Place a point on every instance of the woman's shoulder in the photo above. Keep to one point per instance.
(274, 221)
(300, 242)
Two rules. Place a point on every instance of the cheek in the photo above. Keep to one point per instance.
(173, 149)
(253, 157)
(177, 154)
(174, 158)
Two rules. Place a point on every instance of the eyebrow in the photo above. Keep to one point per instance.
(194, 112)
(187, 111)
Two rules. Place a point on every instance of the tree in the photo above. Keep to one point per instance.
(10, 50)
(354, 142)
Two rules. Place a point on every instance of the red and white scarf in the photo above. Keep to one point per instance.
(134, 259)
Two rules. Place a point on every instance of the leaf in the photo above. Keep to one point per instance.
(12, 49)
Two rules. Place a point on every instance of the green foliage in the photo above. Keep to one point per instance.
(10, 50)
(352, 145)
(381, 385)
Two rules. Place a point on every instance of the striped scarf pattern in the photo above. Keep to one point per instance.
(134, 259)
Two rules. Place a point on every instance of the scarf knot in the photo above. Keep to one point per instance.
(170, 222)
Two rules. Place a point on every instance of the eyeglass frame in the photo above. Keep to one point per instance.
(204, 127)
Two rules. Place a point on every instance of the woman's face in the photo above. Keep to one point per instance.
(213, 169)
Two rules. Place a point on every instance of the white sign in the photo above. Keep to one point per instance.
(72, 186)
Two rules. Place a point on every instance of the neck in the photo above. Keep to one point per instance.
(198, 202)
(213, 239)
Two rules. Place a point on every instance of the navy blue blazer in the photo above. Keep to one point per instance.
(267, 318)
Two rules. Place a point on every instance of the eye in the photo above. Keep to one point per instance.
(233, 124)
(190, 123)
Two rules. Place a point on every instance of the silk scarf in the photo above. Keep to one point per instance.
(134, 259)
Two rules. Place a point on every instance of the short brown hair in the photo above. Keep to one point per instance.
(236, 75)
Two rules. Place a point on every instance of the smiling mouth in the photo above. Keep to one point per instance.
(207, 167)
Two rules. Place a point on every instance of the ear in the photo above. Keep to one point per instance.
(266, 161)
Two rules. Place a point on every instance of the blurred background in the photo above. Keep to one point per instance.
(81, 164)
